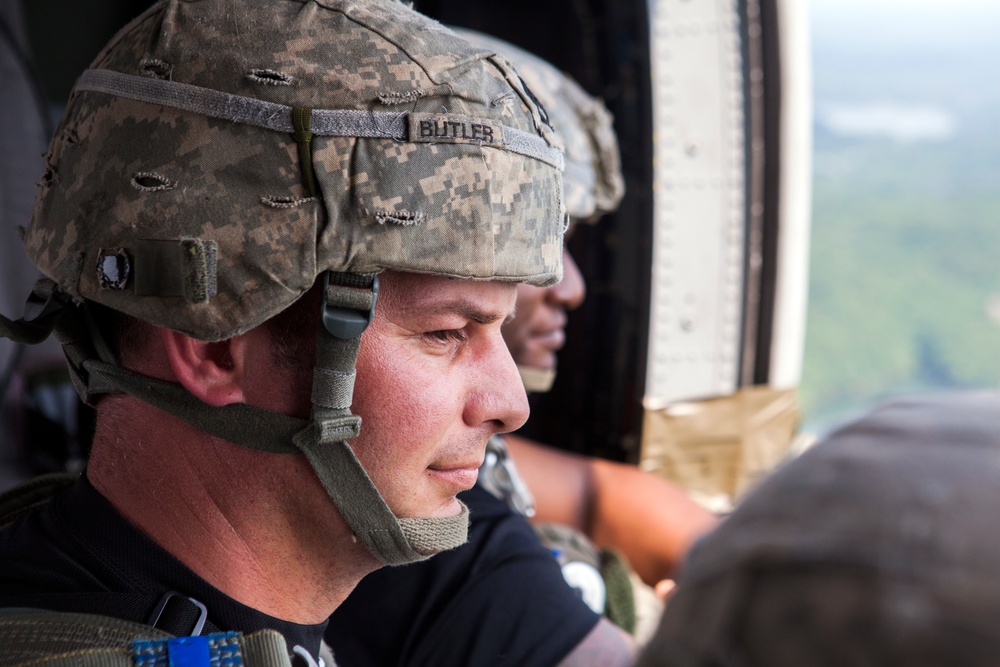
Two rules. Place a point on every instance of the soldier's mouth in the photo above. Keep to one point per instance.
(462, 479)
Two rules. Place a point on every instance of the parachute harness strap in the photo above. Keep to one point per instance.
(347, 310)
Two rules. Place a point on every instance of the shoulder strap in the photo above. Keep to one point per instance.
(21, 499)
(57, 639)
(172, 613)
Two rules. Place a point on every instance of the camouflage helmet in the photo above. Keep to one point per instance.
(593, 184)
(221, 157)
(876, 547)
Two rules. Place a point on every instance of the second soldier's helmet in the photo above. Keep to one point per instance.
(222, 156)
(593, 183)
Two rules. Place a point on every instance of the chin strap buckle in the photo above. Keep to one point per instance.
(348, 303)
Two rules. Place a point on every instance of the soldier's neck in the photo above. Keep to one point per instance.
(256, 526)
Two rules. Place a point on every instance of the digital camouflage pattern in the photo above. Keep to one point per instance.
(878, 546)
(593, 182)
(230, 233)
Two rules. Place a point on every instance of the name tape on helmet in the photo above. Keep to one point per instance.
(454, 129)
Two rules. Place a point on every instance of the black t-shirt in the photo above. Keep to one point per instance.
(499, 600)
(78, 543)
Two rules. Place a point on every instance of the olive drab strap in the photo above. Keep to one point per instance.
(347, 310)
(36, 492)
(94, 371)
(49, 310)
(59, 639)
(239, 423)
(401, 126)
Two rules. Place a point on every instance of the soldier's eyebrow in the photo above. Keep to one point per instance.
(466, 308)
(476, 313)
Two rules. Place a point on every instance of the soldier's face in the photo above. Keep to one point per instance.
(539, 330)
(434, 382)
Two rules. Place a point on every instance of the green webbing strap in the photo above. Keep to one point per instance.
(430, 536)
(21, 499)
(49, 310)
(266, 648)
(29, 333)
(95, 371)
(349, 302)
(393, 541)
(345, 300)
(59, 639)
(239, 423)
(352, 491)
(620, 603)
(348, 306)
(81, 342)
(65, 639)
(278, 117)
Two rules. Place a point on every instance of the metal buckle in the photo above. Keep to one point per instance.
(162, 604)
(499, 476)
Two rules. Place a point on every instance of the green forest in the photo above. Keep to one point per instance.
(905, 255)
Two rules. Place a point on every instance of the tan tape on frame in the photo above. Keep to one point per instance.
(718, 448)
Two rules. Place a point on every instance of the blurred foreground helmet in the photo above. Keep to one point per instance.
(876, 547)
(221, 156)
(593, 182)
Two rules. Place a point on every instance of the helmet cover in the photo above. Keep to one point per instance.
(178, 190)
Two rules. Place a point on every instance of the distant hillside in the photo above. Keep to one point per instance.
(905, 261)
(905, 258)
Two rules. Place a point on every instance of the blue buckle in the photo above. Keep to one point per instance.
(221, 649)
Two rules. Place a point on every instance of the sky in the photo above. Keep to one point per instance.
(906, 66)
(904, 24)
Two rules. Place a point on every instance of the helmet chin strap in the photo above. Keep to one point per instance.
(348, 306)
(536, 379)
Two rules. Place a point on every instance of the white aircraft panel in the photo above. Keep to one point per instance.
(699, 201)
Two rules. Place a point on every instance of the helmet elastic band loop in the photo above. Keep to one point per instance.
(302, 122)
(95, 371)
(278, 117)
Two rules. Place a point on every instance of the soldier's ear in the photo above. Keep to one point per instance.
(212, 372)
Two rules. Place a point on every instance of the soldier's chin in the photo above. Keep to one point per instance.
(537, 379)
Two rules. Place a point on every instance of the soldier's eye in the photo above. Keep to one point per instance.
(447, 335)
